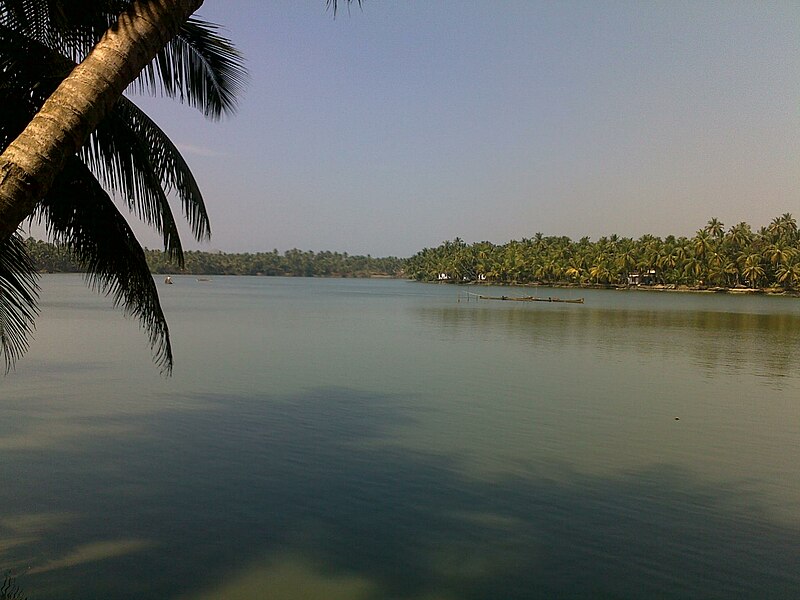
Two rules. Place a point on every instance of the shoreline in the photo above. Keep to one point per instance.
(636, 288)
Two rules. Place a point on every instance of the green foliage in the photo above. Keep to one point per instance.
(767, 258)
(58, 258)
(714, 257)
(51, 258)
(294, 263)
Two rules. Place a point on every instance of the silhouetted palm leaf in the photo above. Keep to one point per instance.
(128, 152)
(82, 217)
(334, 5)
(127, 164)
(40, 42)
(169, 165)
(198, 67)
(19, 293)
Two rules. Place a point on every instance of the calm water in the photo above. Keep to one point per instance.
(378, 439)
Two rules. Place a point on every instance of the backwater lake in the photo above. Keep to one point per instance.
(374, 439)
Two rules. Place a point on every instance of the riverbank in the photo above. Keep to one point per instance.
(742, 291)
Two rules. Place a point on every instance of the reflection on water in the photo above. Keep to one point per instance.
(370, 440)
(286, 578)
(306, 489)
(766, 344)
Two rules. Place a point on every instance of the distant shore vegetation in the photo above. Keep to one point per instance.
(715, 257)
(51, 258)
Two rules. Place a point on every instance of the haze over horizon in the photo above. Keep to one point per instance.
(399, 125)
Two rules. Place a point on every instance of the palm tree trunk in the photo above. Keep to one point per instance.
(31, 162)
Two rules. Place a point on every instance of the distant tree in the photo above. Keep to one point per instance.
(715, 228)
(788, 274)
(767, 258)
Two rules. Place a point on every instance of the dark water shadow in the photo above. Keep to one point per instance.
(316, 475)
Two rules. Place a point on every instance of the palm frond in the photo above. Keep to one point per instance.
(40, 42)
(129, 152)
(27, 15)
(198, 67)
(119, 150)
(333, 5)
(123, 162)
(19, 295)
(71, 26)
(176, 176)
(80, 215)
(29, 72)
(168, 164)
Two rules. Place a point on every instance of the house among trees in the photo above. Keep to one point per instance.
(646, 278)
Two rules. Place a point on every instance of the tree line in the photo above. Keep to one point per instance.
(53, 258)
(713, 257)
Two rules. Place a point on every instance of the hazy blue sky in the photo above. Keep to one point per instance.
(405, 123)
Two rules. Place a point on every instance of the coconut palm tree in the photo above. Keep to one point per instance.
(88, 93)
(789, 226)
(703, 243)
(70, 185)
(788, 274)
(783, 228)
(573, 272)
(716, 272)
(600, 271)
(715, 228)
(694, 269)
(752, 271)
(732, 272)
(740, 256)
(778, 253)
(739, 236)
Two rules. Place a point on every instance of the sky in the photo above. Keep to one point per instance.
(398, 125)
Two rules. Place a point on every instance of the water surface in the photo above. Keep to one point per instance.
(375, 439)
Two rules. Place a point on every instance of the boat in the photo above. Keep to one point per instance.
(533, 299)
